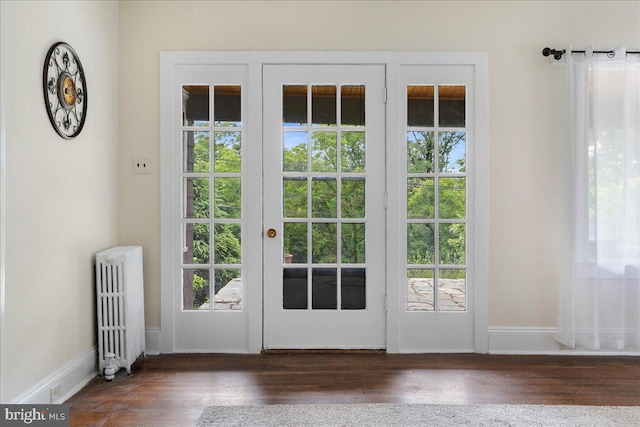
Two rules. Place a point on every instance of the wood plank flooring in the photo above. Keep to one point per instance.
(172, 390)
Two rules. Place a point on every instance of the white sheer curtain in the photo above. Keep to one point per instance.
(600, 306)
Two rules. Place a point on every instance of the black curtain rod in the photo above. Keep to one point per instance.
(557, 54)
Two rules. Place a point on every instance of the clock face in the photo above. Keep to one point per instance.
(65, 90)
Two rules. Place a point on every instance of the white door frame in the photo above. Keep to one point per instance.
(393, 62)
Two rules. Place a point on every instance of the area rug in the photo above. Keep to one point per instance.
(420, 415)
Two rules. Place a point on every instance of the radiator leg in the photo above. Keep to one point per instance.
(111, 368)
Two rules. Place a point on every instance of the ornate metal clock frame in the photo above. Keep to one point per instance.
(65, 90)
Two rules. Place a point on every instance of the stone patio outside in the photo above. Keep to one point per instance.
(451, 296)
(227, 298)
(420, 295)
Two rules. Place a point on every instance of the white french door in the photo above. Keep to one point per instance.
(324, 200)
(324, 180)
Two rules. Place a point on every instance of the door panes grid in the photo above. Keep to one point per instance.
(323, 203)
(436, 198)
(211, 182)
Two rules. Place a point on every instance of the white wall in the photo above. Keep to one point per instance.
(61, 196)
(529, 217)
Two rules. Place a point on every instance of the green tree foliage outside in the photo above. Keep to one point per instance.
(420, 198)
(226, 205)
(324, 201)
(421, 203)
(324, 196)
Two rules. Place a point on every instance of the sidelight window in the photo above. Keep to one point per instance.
(436, 197)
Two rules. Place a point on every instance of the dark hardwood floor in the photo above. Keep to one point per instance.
(172, 390)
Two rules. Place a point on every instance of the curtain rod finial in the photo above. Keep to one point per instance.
(557, 54)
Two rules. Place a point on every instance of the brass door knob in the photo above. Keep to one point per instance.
(271, 233)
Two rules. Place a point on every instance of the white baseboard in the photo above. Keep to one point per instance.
(77, 373)
(526, 340)
(152, 340)
(72, 377)
(502, 340)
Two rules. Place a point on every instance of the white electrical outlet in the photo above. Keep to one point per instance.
(141, 165)
(55, 392)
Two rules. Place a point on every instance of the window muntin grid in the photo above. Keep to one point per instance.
(436, 198)
(211, 183)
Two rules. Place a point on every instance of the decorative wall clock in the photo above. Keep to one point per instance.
(65, 90)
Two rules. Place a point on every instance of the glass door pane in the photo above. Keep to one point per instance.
(324, 222)
(212, 198)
